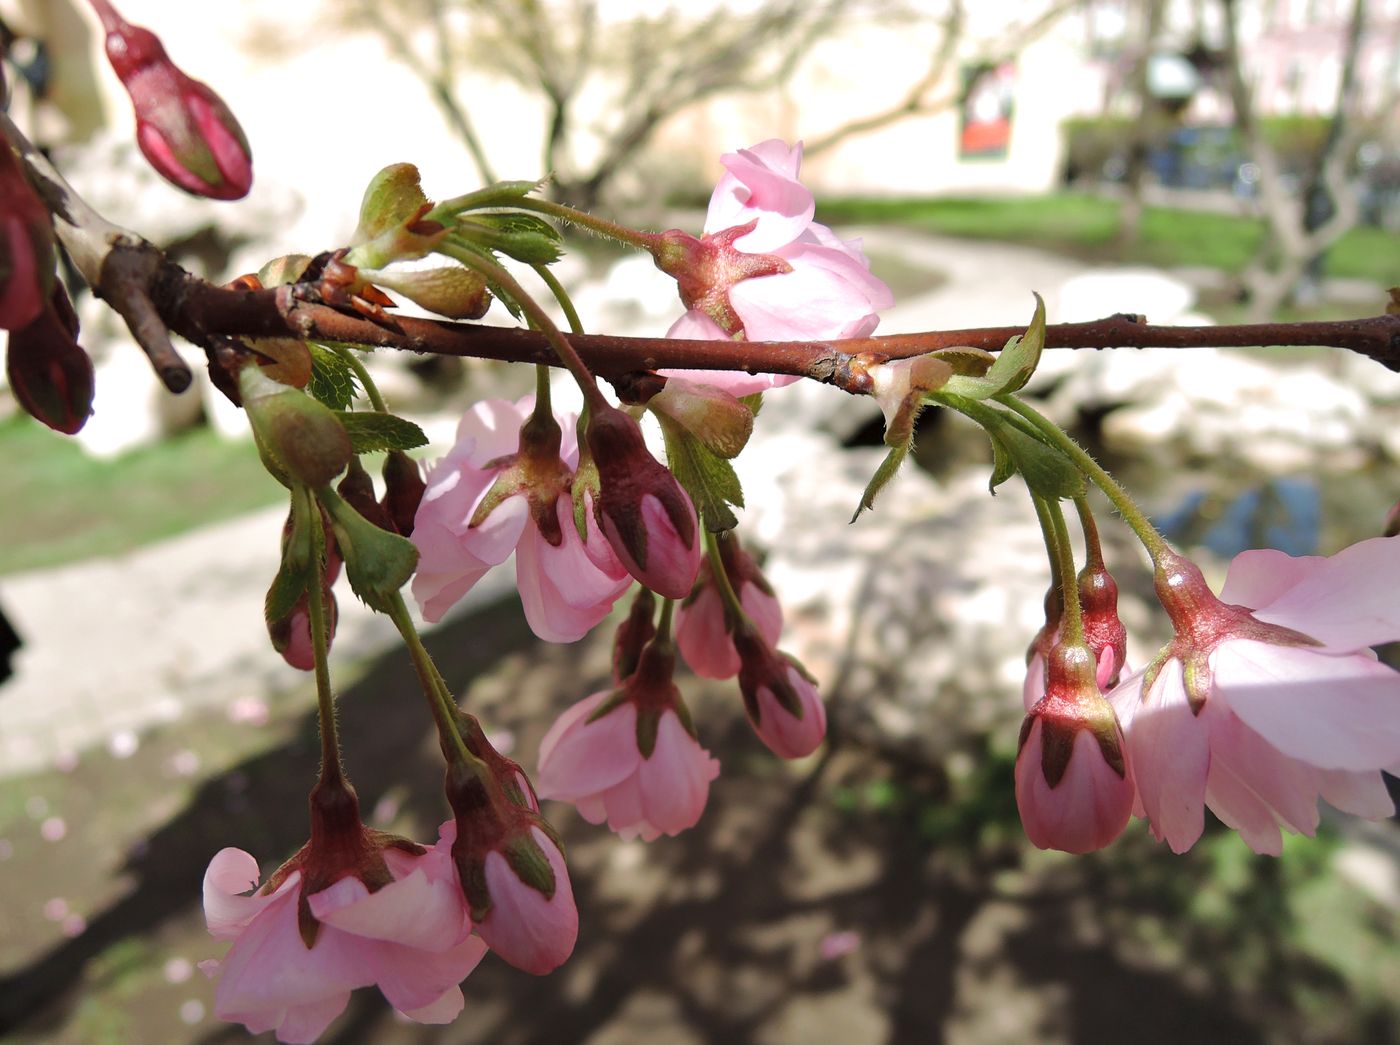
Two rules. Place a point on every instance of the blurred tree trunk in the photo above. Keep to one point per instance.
(1145, 128)
(1297, 229)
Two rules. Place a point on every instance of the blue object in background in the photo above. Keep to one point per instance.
(1283, 513)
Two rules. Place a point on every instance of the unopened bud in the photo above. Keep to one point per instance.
(392, 197)
(403, 490)
(784, 707)
(448, 290)
(641, 508)
(633, 634)
(1104, 632)
(718, 420)
(301, 434)
(183, 128)
(48, 371)
(27, 255)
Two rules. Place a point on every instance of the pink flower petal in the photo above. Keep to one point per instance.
(761, 184)
(1348, 600)
(1361, 794)
(675, 781)
(444, 1009)
(804, 304)
(1333, 711)
(414, 980)
(531, 931)
(493, 427)
(1259, 576)
(231, 873)
(412, 911)
(583, 758)
(1170, 753)
(303, 1024)
(702, 639)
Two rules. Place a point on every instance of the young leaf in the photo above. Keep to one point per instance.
(371, 431)
(333, 380)
(888, 467)
(1013, 367)
(708, 478)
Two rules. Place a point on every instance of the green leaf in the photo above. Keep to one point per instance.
(708, 478)
(888, 467)
(392, 197)
(1013, 367)
(1046, 469)
(1003, 465)
(371, 431)
(333, 380)
(524, 237)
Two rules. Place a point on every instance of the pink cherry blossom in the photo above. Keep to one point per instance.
(412, 937)
(532, 931)
(598, 766)
(565, 588)
(702, 633)
(1086, 809)
(1258, 714)
(814, 284)
(786, 734)
(1074, 781)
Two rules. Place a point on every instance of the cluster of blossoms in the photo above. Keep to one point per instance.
(1268, 698)
(588, 513)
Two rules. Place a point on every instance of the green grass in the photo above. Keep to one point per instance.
(1086, 226)
(61, 505)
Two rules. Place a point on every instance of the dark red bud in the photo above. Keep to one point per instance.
(49, 373)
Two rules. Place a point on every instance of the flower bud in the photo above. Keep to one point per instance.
(48, 371)
(1074, 787)
(27, 256)
(784, 706)
(448, 290)
(302, 435)
(719, 421)
(703, 626)
(403, 490)
(641, 508)
(184, 129)
(1104, 633)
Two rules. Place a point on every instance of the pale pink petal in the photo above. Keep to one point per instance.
(1347, 600)
(269, 967)
(672, 565)
(303, 1024)
(412, 911)
(584, 758)
(531, 931)
(700, 327)
(764, 610)
(675, 781)
(804, 304)
(492, 428)
(761, 183)
(1170, 754)
(497, 535)
(564, 594)
(626, 809)
(1361, 794)
(231, 873)
(446, 1008)
(1333, 711)
(1241, 809)
(1286, 787)
(702, 638)
(844, 263)
(1259, 576)
(413, 979)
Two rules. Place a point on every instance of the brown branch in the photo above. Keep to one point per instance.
(202, 312)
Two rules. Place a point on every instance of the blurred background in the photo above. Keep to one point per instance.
(1195, 162)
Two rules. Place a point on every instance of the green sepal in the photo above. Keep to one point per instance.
(709, 479)
(392, 197)
(888, 467)
(377, 562)
(754, 401)
(1045, 468)
(524, 237)
(1013, 367)
(333, 380)
(530, 864)
(294, 571)
(648, 723)
(371, 431)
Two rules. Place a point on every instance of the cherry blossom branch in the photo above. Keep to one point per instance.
(200, 311)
